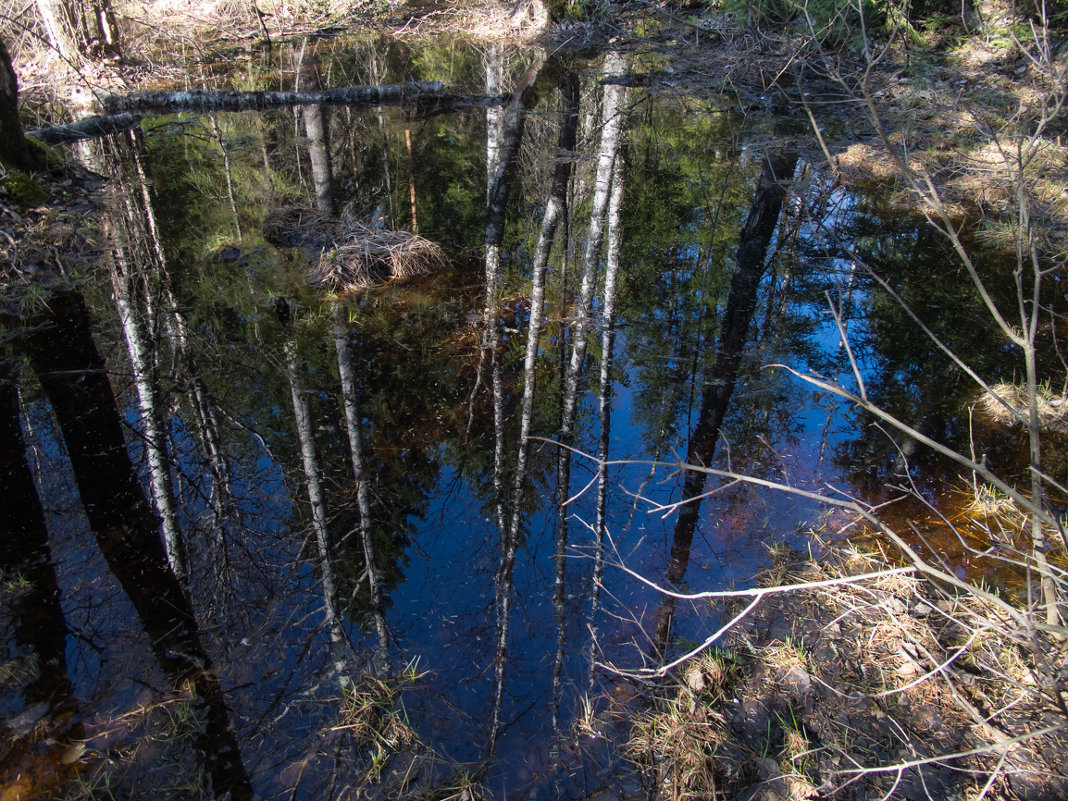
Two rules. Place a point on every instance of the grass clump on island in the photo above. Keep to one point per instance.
(349, 255)
(894, 687)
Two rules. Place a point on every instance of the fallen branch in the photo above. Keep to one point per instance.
(201, 100)
(122, 110)
(85, 128)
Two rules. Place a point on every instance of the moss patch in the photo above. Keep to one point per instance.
(22, 190)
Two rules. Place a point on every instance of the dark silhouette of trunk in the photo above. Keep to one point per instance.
(40, 628)
(73, 376)
(755, 237)
(13, 148)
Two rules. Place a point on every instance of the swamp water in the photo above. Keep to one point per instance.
(388, 572)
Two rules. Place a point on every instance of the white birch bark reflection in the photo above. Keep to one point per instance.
(555, 211)
(350, 396)
(135, 264)
(316, 128)
(608, 341)
(612, 117)
(309, 456)
(502, 146)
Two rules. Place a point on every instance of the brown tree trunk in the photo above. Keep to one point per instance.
(13, 149)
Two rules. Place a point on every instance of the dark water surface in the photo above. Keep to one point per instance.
(359, 486)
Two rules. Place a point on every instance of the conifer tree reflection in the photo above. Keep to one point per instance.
(777, 171)
(73, 376)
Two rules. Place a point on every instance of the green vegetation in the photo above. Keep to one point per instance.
(22, 189)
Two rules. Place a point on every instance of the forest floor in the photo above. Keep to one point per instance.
(885, 688)
(954, 106)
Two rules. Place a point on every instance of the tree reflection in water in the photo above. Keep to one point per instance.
(72, 374)
(377, 455)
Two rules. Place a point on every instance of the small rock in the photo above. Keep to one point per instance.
(23, 723)
(797, 682)
(894, 606)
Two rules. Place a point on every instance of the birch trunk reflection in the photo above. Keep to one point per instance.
(74, 379)
(137, 237)
(555, 210)
(612, 125)
(136, 261)
(503, 136)
(612, 114)
(608, 342)
(777, 171)
(309, 456)
(316, 128)
(350, 397)
(502, 145)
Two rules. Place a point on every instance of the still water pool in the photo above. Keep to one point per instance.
(405, 526)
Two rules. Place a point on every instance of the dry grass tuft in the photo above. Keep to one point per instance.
(352, 256)
(828, 687)
(1007, 404)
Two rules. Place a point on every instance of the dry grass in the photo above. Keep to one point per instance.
(1007, 404)
(829, 686)
(352, 256)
